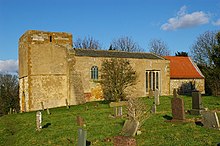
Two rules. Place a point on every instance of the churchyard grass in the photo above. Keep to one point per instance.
(60, 128)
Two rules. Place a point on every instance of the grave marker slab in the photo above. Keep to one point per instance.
(130, 128)
(153, 108)
(118, 110)
(210, 120)
(156, 97)
(82, 134)
(178, 109)
(196, 103)
(39, 120)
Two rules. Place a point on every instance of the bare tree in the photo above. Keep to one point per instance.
(125, 44)
(116, 76)
(8, 93)
(87, 43)
(159, 47)
(202, 49)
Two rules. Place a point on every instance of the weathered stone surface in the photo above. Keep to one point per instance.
(178, 109)
(197, 107)
(82, 135)
(210, 120)
(124, 141)
(51, 71)
(130, 128)
(117, 104)
(154, 108)
(38, 120)
(156, 97)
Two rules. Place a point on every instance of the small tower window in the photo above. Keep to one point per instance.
(94, 72)
(50, 38)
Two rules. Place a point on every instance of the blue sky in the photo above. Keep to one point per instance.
(177, 22)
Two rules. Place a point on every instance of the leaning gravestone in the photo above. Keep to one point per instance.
(210, 120)
(177, 108)
(82, 134)
(196, 103)
(156, 97)
(130, 128)
(38, 120)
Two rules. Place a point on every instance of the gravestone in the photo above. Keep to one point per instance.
(42, 106)
(153, 108)
(130, 128)
(210, 119)
(156, 97)
(118, 110)
(196, 103)
(38, 120)
(177, 104)
(175, 93)
(124, 141)
(82, 134)
(79, 121)
(67, 105)
(48, 111)
(151, 93)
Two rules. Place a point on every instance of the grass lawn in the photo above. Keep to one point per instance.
(60, 127)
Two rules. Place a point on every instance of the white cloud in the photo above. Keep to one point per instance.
(10, 66)
(216, 23)
(185, 20)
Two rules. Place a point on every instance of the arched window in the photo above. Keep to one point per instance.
(94, 72)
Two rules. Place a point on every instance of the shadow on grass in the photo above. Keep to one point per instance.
(167, 117)
(199, 123)
(46, 126)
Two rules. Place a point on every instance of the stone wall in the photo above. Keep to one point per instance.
(84, 64)
(185, 84)
(43, 69)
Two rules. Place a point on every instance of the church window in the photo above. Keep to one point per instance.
(94, 72)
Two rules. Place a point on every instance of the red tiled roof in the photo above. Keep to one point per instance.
(183, 67)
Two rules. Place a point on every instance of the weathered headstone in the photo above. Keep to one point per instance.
(38, 120)
(175, 95)
(196, 103)
(130, 128)
(124, 141)
(79, 121)
(210, 119)
(118, 110)
(48, 111)
(156, 97)
(42, 105)
(67, 105)
(177, 108)
(153, 108)
(82, 134)
(151, 93)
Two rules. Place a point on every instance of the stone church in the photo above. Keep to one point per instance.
(53, 73)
